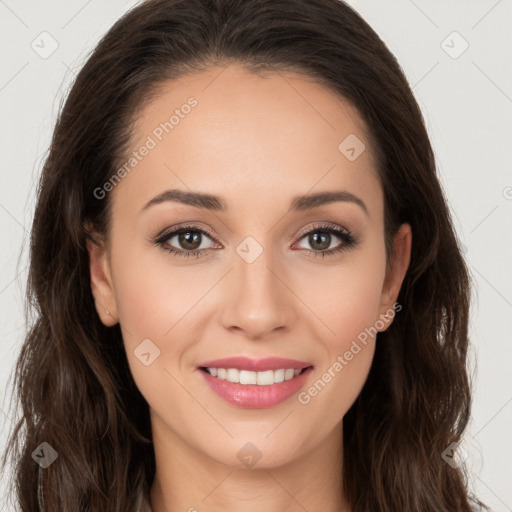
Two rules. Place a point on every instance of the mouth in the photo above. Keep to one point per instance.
(255, 384)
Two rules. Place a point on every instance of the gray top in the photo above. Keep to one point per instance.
(146, 507)
(143, 505)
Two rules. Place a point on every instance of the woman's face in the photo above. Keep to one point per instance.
(258, 273)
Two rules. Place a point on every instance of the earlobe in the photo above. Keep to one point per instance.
(101, 282)
(395, 274)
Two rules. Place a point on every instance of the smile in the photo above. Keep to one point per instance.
(255, 384)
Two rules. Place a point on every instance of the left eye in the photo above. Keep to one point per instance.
(321, 239)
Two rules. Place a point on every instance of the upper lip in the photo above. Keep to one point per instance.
(255, 365)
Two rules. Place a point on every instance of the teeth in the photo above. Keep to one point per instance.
(279, 375)
(247, 377)
(266, 378)
(233, 375)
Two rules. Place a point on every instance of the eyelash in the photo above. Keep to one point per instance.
(348, 240)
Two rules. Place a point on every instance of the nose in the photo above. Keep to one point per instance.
(257, 302)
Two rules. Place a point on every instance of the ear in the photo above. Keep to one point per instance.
(395, 274)
(101, 281)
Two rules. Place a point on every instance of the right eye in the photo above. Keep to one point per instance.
(189, 241)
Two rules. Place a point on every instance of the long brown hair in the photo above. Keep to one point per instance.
(72, 377)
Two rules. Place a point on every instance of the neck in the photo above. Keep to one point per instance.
(188, 480)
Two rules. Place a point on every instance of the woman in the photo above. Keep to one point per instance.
(249, 289)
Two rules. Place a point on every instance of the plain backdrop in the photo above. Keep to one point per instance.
(456, 56)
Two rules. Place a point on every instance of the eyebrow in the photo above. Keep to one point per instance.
(215, 203)
(307, 202)
(198, 199)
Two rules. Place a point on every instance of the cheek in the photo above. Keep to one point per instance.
(152, 294)
(347, 303)
(156, 301)
(346, 298)
(156, 307)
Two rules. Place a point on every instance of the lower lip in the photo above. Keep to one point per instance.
(252, 396)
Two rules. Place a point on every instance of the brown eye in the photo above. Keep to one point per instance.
(190, 240)
(320, 240)
(185, 241)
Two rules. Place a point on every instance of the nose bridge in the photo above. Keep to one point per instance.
(258, 302)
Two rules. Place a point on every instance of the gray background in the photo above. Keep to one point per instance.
(466, 98)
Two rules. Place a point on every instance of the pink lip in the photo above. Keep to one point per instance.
(252, 396)
(255, 365)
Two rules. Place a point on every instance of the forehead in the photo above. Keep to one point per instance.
(232, 133)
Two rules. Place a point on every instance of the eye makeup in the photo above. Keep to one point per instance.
(190, 234)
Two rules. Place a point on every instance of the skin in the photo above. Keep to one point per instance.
(256, 141)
